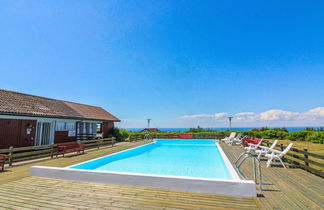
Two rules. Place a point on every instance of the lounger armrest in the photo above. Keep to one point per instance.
(275, 151)
(264, 147)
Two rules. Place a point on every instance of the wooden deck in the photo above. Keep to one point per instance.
(290, 188)
(283, 189)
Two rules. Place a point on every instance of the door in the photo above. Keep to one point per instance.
(44, 133)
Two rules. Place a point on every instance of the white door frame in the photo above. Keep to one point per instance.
(39, 133)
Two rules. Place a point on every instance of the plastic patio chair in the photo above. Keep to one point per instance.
(254, 147)
(231, 136)
(276, 154)
(264, 150)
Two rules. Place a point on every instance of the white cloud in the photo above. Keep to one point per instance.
(317, 112)
(201, 116)
(277, 114)
(272, 117)
(220, 115)
(245, 114)
(194, 116)
(269, 115)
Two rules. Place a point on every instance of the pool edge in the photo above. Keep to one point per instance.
(239, 188)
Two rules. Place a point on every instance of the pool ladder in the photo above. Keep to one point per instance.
(147, 136)
(256, 166)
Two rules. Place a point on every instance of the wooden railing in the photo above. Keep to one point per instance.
(301, 159)
(85, 136)
(33, 152)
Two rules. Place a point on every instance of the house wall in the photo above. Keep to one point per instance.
(107, 128)
(62, 129)
(13, 132)
(62, 136)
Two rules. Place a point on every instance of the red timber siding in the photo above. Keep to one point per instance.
(106, 128)
(14, 133)
(63, 136)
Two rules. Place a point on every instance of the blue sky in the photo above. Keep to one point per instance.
(181, 63)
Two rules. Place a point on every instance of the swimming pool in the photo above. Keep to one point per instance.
(190, 158)
(189, 165)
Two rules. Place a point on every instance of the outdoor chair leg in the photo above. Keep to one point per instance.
(259, 156)
(282, 163)
(269, 162)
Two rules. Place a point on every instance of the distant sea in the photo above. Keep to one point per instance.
(217, 129)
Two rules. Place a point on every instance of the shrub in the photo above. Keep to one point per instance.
(120, 134)
(298, 135)
(280, 133)
(316, 137)
(199, 129)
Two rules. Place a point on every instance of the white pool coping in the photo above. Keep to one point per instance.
(233, 187)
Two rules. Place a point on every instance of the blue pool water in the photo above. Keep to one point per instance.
(189, 158)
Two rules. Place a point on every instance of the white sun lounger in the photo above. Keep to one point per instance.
(230, 140)
(231, 136)
(264, 150)
(276, 154)
(236, 140)
(253, 147)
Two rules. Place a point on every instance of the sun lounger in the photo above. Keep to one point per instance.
(254, 147)
(264, 150)
(236, 140)
(231, 136)
(247, 140)
(276, 154)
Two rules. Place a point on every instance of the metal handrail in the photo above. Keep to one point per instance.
(256, 166)
(147, 135)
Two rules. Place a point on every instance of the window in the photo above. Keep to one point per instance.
(70, 126)
(99, 128)
(60, 126)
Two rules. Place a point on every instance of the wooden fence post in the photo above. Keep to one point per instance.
(98, 143)
(282, 149)
(10, 155)
(306, 156)
(52, 150)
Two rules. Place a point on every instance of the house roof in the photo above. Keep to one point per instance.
(14, 103)
(91, 112)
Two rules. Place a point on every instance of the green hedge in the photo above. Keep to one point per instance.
(304, 135)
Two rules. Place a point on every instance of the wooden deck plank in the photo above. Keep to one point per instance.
(72, 193)
(283, 189)
(291, 188)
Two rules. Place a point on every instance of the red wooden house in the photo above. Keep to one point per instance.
(27, 120)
